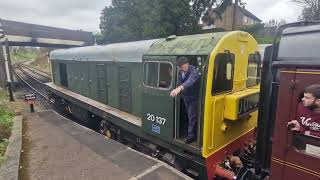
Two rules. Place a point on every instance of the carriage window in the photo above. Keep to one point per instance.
(254, 70)
(223, 73)
(307, 144)
(157, 75)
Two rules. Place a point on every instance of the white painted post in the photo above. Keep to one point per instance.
(6, 64)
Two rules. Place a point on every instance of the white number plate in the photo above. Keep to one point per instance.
(156, 119)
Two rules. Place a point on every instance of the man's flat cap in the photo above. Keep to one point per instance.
(182, 60)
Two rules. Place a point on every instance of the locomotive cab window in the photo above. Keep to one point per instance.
(223, 73)
(165, 75)
(157, 74)
(254, 70)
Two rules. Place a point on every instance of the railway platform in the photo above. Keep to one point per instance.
(58, 148)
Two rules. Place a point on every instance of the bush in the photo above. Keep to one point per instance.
(264, 40)
(5, 117)
(6, 121)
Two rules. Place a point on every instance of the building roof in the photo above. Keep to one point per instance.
(248, 13)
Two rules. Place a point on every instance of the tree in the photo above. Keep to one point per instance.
(275, 23)
(131, 20)
(311, 9)
(121, 21)
(209, 10)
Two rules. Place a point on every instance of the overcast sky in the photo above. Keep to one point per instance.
(84, 14)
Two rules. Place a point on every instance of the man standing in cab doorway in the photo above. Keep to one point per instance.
(189, 84)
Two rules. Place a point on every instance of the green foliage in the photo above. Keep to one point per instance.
(22, 56)
(264, 40)
(253, 29)
(3, 146)
(211, 9)
(257, 31)
(6, 121)
(99, 38)
(311, 9)
(131, 20)
(275, 23)
(5, 117)
(3, 96)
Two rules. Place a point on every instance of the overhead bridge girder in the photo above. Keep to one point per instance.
(24, 34)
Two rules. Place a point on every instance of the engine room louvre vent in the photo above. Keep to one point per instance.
(124, 88)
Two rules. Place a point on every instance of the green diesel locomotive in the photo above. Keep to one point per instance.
(125, 87)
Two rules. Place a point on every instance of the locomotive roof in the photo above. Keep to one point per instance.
(124, 52)
(199, 44)
(301, 29)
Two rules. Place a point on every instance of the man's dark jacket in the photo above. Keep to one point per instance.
(190, 83)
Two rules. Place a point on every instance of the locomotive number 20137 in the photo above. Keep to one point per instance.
(157, 119)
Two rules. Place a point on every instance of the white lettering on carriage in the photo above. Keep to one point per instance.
(312, 125)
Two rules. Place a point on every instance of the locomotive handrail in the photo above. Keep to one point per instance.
(307, 139)
(303, 64)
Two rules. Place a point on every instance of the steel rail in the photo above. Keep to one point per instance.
(24, 81)
(35, 71)
(31, 76)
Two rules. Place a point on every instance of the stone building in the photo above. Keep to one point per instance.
(234, 18)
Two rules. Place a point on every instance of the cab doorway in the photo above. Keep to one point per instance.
(182, 120)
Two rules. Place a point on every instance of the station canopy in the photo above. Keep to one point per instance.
(24, 34)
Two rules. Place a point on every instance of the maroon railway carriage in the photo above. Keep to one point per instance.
(294, 64)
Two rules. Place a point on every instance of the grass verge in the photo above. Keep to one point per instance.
(22, 56)
(6, 121)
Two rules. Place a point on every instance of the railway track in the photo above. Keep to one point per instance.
(33, 78)
(40, 73)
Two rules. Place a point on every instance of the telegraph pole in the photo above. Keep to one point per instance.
(6, 55)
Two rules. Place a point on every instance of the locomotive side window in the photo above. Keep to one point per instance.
(150, 77)
(254, 70)
(157, 75)
(223, 73)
